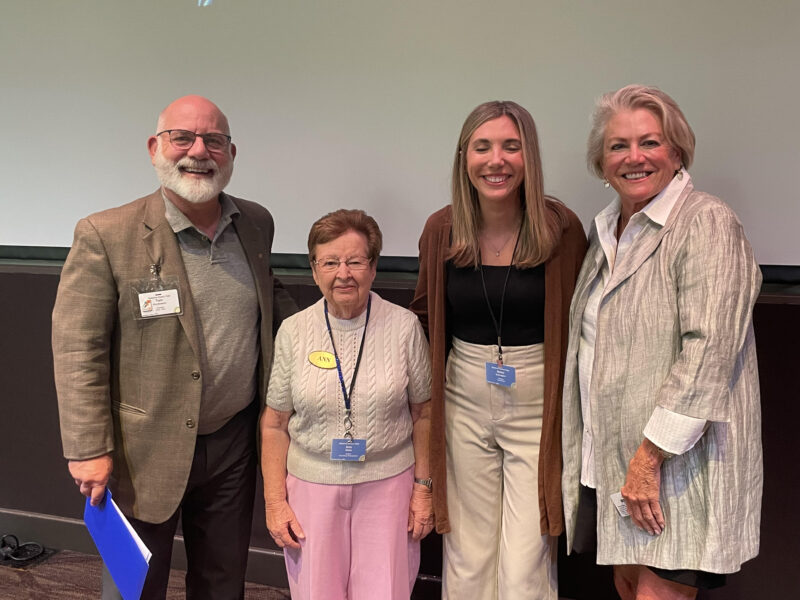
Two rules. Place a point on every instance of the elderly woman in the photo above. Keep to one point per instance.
(661, 399)
(497, 270)
(345, 432)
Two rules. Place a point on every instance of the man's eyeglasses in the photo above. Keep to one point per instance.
(330, 264)
(183, 140)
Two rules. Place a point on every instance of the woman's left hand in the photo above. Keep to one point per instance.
(420, 512)
(642, 487)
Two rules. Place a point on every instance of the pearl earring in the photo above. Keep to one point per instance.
(606, 184)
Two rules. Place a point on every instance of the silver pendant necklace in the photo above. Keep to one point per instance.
(497, 251)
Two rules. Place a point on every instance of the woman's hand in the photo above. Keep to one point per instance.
(642, 486)
(420, 512)
(283, 526)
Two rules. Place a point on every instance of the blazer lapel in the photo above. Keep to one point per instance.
(592, 264)
(162, 247)
(644, 245)
(251, 237)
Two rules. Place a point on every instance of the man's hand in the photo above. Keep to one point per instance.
(91, 476)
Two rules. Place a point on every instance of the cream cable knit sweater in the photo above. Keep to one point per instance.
(394, 370)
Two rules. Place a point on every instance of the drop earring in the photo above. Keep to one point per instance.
(606, 184)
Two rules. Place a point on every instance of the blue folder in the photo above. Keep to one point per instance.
(123, 557)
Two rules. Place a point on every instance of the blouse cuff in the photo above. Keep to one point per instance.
(674, 432)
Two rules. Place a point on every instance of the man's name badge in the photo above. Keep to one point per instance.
(619, 504)
(500, 375)
(159, 303)
(347, 449)
(322, 359)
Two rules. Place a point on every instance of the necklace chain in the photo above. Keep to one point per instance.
(497, 251)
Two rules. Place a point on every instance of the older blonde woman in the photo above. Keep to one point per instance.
(661, 398)
(497, 269)
(345, 432)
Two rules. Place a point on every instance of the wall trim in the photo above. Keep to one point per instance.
(49, 255)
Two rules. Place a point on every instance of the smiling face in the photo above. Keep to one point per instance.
(495, 163)
(637, 160)
(196, 174)
(345, 290)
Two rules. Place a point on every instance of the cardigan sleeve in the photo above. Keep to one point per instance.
(427, 246)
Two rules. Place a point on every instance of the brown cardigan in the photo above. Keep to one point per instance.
(430, 305)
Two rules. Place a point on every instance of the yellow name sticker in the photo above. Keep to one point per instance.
(322, 359)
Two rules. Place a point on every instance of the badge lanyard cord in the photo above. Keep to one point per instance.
(498, 325)
(348, 423)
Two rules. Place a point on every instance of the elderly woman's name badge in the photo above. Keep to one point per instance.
(352, 449)
(503, 375)
(322, 359)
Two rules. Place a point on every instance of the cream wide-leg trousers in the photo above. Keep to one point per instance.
(494, 550)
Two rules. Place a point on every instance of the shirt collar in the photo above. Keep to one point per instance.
(657, 210)
(180, 222)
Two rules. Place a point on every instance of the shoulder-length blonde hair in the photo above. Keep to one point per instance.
(677, 132)
(542, 216)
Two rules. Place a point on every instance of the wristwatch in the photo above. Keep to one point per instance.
(428, 483)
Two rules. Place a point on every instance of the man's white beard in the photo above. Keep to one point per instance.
(189, 188)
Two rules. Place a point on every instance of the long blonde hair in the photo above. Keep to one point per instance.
(542, 215)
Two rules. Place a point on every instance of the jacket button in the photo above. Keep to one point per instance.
(195, 375)
(190, 423)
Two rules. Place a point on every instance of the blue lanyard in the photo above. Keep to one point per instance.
(347, 421)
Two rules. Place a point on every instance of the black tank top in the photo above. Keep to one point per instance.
(468, 315)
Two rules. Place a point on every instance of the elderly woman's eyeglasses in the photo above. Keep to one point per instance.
(183, 140)
(330, 263)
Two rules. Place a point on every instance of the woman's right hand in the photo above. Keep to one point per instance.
(282, 525)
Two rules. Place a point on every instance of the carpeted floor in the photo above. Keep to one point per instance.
(70, 575)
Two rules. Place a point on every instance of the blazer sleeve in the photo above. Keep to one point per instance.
(83, 322)
(718, 281)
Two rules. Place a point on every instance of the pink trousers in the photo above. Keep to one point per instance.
(357, 544)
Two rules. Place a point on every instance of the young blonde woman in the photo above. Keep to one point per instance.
(497, 271)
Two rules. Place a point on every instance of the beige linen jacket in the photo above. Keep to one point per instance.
(133, 387)
(674, 329)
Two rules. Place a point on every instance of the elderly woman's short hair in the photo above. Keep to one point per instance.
(677, 132)
(337, 223)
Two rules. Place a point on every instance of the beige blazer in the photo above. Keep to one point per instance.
(133, 387)
(674, 329)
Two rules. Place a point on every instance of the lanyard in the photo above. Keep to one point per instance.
(498, 325)
(348, 423)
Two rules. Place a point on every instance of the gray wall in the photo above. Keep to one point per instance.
(359, 103)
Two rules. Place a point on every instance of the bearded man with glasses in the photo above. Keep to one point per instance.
(162, 338)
